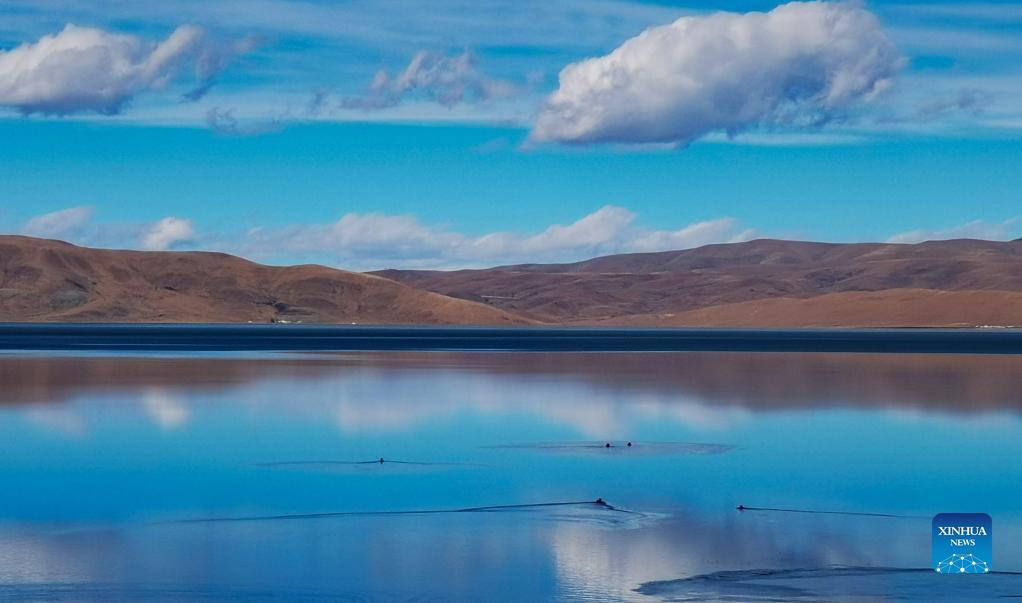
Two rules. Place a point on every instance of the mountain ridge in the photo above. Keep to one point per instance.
(46, 280)
(760, 283)
(608, 289)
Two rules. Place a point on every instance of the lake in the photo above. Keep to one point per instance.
(190, 475)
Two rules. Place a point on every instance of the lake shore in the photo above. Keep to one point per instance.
(223, 337)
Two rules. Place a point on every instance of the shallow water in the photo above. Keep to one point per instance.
(257, 476)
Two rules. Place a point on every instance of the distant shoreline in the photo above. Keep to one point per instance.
(340, 338)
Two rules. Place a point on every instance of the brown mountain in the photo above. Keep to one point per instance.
(44, 280)
(890, 308)
(758, 283)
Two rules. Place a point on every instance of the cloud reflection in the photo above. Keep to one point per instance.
(597, 395)
(169, 411)
(609, 564)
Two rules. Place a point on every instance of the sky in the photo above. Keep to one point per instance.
(457, 133)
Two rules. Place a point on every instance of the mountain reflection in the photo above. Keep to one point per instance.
(750, 381)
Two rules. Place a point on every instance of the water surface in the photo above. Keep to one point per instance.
(182, 476)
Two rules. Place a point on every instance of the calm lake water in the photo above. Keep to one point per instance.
(257, 476)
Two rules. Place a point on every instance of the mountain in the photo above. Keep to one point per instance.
(763, 283)
(758, 283)
(43, 280)
(891, 308)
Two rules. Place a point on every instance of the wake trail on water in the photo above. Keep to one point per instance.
(826, 512)
(597, 504)
(381, 461)
(834, 582)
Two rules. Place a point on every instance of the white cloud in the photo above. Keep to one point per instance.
(167, 233)
(432, 76)
(383, 241)
(977, 229)
(65, 223)
(75, 224)
(377, 240)
(724, 230)
(799, 64)
(83, 69)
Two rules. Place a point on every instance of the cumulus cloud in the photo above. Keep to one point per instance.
(433, 76)
(167, 233)
(799, 64)
(84, 69)
(76, 225)
(381, 240)
(977, 229)
(376, 240)
(63, 224)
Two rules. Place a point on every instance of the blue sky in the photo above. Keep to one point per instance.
(368, 134)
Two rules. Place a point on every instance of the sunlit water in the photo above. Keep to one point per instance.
(206, 477)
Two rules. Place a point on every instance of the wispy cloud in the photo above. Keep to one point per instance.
(61, 224)
(367, 241)
(225, 122)
(976, 229)
(402, 25)
(378, 240)
(77, 225)
(928, 39)
(990, 11)
(433, 76)
(970, 101)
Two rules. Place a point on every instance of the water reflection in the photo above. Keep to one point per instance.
(601, 395)
(106, 463)
(964, 383)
